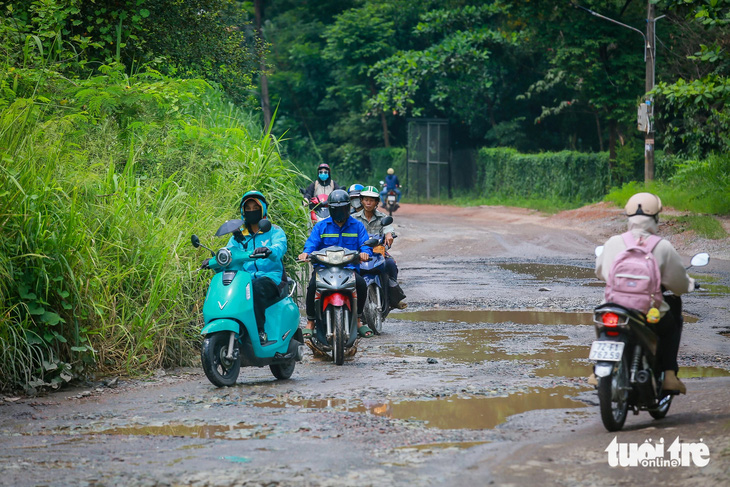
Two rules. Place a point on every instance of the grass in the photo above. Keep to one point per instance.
(703, 225)
(544, 205)
(97, 274)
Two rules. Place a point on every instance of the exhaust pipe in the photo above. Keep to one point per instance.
(645, 387)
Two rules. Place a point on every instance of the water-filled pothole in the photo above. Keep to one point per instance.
(550, 272)
(524, 317)
(206, 431)
(455, 412)
(694, 372)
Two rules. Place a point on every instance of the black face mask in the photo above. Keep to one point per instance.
(339, 214)
(252, 217)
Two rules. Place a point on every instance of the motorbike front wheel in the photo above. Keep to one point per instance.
(339, 338)
(221, 371)
(373, 314)
(613, 396)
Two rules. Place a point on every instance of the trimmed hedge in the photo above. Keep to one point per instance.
(569, 176)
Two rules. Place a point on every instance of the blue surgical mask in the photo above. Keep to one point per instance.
(323, 176)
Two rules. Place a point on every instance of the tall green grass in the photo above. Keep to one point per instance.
(102, 181)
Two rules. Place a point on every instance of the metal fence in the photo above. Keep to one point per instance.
(428, 158)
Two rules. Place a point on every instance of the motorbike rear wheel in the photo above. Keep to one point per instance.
(663, 408)
(613, 396)
(219, 370)
(338, 335)
(283, 371)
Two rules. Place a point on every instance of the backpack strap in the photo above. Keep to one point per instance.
(648, 245)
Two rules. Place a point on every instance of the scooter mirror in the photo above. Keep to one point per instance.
(599, 250)
(372, 242)
(264, 225)
(195, 241)
(700, 260)
(386, 220)
(229, 227)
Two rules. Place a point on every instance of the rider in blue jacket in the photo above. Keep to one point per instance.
(266, 273)
(391, 184)
(343, 230)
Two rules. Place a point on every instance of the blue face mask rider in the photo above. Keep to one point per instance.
(324, 175)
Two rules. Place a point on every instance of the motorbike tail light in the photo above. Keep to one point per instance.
(610, 319)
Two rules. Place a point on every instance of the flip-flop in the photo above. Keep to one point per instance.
(307, 333)
(365, 331)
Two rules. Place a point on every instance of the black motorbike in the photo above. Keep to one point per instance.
(626, 360)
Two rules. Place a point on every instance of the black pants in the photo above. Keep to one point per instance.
(360, 288)
(669, 330)
(265, 293)
(391, 268)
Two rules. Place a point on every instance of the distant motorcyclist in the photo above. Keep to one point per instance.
(322, 185)
(391, 184)
(355, 203)
(342, 230)
(643, 211)
(371, 218)
(266, 273)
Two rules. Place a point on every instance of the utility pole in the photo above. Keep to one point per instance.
(649, 85)
(646, 111)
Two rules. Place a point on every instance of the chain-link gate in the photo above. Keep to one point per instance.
(428, 158)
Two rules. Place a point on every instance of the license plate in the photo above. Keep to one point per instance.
(606, 351)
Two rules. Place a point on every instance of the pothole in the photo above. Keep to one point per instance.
(240, 431)
(454, 412)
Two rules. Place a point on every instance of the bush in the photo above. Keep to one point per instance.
(572, 177)
(382, 159)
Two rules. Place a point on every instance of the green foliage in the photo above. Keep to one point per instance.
(571, 177)
(382, 159)
(699, 186)
(705, 226)
(102, 181)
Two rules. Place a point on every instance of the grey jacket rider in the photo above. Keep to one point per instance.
(674, 275)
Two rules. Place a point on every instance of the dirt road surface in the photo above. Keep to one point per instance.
(481, 381)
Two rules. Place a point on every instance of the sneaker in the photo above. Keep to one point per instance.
(672, 383)
(262, 337)
(593, 380)
(402, 305)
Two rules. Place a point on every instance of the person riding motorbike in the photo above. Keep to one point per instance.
(391, 184)
(322, 185)
(266, 273)
(371, 218)
(643, 211)
(355, 203)
(342, 230)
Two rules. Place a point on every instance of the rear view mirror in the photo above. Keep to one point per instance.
(264, 225)
(386, 220)
(195, 241)
(372, 242)
(599, 250)
(700, 260)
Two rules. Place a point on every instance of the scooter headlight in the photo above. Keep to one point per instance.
(223, 257)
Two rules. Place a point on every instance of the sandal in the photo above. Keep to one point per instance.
(365, 331)
(307, 333)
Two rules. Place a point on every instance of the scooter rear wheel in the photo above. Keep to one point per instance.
(283, 371)
(220, 371)
(613, 396)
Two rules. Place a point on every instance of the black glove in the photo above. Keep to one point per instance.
(265, 251)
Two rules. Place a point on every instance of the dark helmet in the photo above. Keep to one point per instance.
(323, 166)
(339, 204)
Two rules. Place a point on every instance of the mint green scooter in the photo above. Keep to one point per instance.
(231, 337)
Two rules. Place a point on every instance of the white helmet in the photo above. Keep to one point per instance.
(644, 204)
(369, 191)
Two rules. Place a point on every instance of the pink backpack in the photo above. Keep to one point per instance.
(634, 280)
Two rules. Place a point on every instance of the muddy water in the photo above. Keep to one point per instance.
(188, 431)
(525, 317)
(550, 272)
(454, 412)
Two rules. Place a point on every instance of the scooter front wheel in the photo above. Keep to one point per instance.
(338, 331)
(374, 314)
(219, 370)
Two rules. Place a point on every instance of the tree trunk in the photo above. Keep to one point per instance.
(383, 120)
(612, 131)
(600, 132)
(265, 103)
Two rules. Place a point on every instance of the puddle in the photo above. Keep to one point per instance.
(709, 286)
(551, 272)
(693, 372)
(219, 432)
(524, 317)
(453, 412)
(442, 446)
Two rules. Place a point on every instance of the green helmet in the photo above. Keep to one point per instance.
(370, 191)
